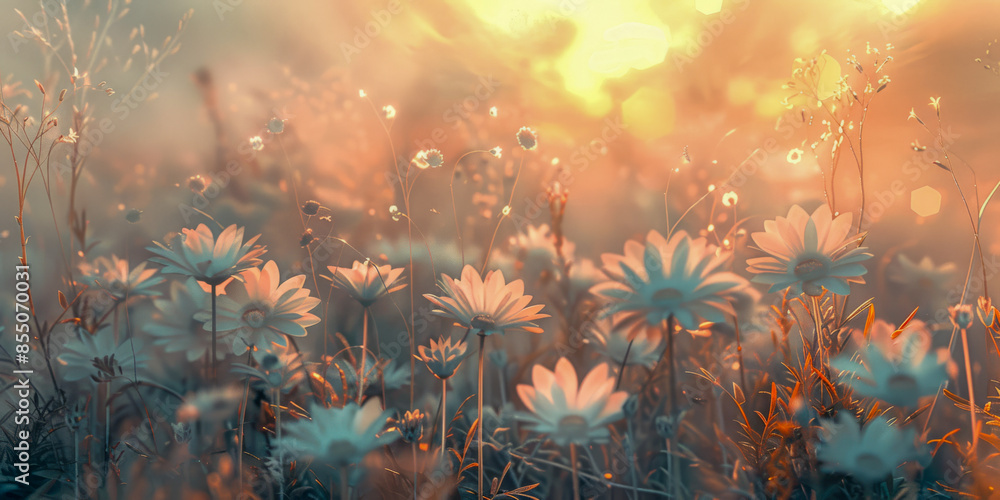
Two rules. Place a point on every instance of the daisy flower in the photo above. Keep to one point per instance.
(442, 358)
(338, 437)
(961, 315)
(569, 412)
(682, 277)
(487, 306)
(366, 282)
(279, 368)
(174, 326)
(98, 357)
(410, 425)
(809, 253)
(377, 372)
(924, 275)
(883, 335)
(262, 309)
(540, 240)
(536, 249)
(429, 158)
(199, 254)
(114, 276)
(899, 371)
(583, 275)
(870, 455)
(394, 375)
(613, 336)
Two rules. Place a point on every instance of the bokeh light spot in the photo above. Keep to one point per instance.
(925, 201)
(708, 6)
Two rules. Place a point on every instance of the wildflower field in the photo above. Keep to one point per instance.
(520, 249)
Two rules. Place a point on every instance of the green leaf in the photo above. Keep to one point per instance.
(986, 202)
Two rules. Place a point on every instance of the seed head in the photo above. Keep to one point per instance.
(133, 215)
(276, 125)
(527, 138)
(310, 207)
(197, 184)
(306, 238)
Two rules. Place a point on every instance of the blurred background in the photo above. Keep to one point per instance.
(627, 97)
(708, 115)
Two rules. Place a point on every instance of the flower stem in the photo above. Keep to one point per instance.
(107, 420)
(674, 413)
(414, 446)
(411, 329)
(739, 352)
(364, 356)
(621, 370)
(214, 358)
(631, 451)
(479, 414)
(576, 472)
(114, 323)
(444, 421)
(345, 492)
(243, 414)
(818, 321)
(503, 215)
(671, 364)
(277, 430)
(972, 396)
(76, 463)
